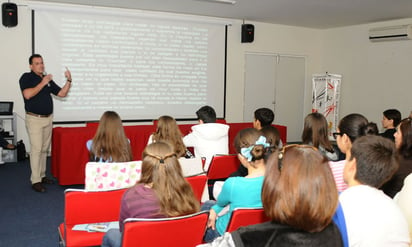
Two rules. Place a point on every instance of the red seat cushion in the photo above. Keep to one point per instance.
(80, 238)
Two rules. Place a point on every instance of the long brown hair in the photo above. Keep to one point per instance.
(168, 131)
(161, 169)
(299, 189)
(110, 142)
(315, 131)
(406, 145)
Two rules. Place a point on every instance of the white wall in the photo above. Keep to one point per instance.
(269, 38)
(376, 76)
(16, 48)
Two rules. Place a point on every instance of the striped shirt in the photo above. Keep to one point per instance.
(337, 170)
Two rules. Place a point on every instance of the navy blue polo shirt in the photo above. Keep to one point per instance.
(42, 103)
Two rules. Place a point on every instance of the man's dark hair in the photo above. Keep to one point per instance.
(371, 129)
(34, 56)
(393, 114)
(265, 116)
(376, 160)
(207, 114)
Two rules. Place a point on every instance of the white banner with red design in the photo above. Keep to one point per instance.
(325, 97)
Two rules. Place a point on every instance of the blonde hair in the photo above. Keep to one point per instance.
(168, 131)
(110, 142)
(161, 169)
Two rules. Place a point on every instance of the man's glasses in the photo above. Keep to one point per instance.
(336, 134)
(287, 147)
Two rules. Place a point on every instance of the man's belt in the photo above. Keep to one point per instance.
(37, 115)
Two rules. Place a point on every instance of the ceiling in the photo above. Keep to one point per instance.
(320, 14)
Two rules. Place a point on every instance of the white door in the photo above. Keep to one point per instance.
(259, 84)
(276, 82)
(289, 97)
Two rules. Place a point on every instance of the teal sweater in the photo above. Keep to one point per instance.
(237, 192)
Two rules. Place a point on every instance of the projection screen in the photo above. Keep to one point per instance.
(140, 64)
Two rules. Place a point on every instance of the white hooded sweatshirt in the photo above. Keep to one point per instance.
(208, 139)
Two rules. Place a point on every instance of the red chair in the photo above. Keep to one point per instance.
(222, 121)
(246, 216)
(198, 184)
(221, 166)
(183, 231)
(82, 207)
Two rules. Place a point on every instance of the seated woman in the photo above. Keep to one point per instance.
(315, 132)
(168, 131)
(271, 133)
(403, 143)
(239, 191)
(300, 198)
(110, 143)
(350, 128)
(161, 192)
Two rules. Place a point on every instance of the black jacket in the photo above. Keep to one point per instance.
(277, 235)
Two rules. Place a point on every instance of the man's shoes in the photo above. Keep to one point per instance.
(10, 146)
(38, 187)
(47, 180)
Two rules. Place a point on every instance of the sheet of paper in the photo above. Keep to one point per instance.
(96, 227)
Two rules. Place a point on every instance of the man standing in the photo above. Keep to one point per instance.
(37, 87)
(372, 218)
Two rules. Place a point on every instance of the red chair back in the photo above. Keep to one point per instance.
(82, 207)
(198, 184)
(246, 216)
(92, 124)
(222, 121)
(89, 207)
(184, 231)
(222, 166)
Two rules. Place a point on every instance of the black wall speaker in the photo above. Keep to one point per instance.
(248, 33)
(9, 14)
